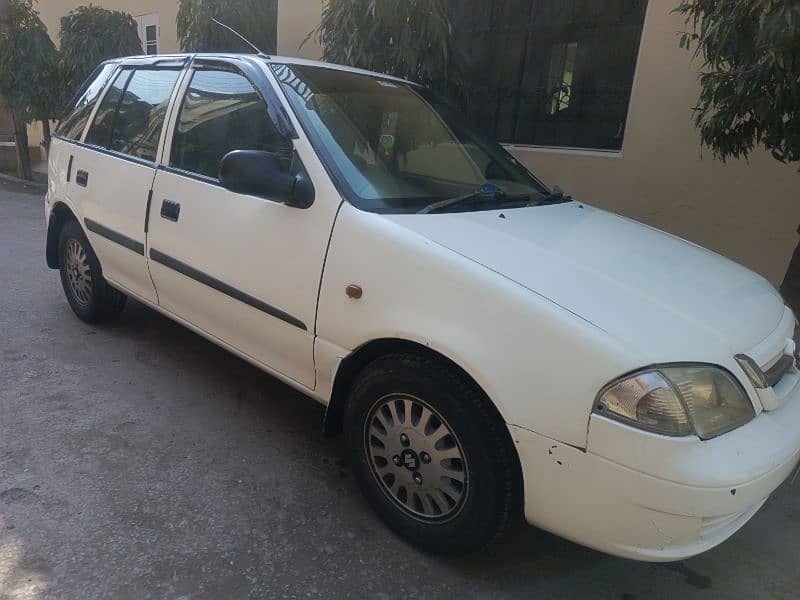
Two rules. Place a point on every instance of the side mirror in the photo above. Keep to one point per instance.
(260, 173)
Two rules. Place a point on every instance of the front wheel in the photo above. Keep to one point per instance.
(431, 455)
(88, 294)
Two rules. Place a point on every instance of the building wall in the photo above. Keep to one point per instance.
(6, 123)
(296, 18)
(51, 12)
(746, 210)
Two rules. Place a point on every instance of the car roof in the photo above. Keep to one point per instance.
(180, 58)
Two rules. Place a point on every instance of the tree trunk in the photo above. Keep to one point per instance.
(23, 153)
(790, 288)
(46, 134)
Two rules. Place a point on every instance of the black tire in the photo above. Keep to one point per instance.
(491, 497)
(91, 298)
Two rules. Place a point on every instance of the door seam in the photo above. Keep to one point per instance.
(319, 292)
(147, 235)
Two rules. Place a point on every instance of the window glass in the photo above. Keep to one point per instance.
(550, 72)
(151, 46)
(137, 127)
(100, 129)
(399, 147)
(131, 115)
(222, 112)
(74, 123)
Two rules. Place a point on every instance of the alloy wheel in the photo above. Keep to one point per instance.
(79, 275)
(416, 457)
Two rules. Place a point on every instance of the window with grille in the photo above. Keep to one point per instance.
(148, 32)
(550, 72)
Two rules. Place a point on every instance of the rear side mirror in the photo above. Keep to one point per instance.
(261, 173)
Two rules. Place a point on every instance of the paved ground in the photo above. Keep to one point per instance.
(138, 460)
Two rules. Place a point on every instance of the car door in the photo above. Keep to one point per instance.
(114, 169)
(243, 269)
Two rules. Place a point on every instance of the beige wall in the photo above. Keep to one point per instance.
(51, 12)
(296, 18)
(748, 211)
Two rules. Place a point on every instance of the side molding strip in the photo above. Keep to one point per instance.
(223, 288)
(118, 238)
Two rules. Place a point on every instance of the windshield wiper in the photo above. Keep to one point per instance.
(490, 192)
(557, 196)
(487, 191)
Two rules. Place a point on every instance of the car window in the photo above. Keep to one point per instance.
(222, 112)
(73, 124)
(100, 129)
(141, 113)
(400, 148)
(131, 115)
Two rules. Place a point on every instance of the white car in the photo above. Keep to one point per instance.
(489, 346)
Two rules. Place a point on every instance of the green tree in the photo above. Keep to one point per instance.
(412, 39)
(28, 60)
(750, 75)
(256, 20)
(749, 84)
(89, 35)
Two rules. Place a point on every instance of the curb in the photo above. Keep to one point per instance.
(27, 183)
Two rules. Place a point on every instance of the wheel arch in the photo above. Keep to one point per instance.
(59, 215)
(359, 358)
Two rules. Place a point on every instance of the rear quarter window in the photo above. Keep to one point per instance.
(73, 124)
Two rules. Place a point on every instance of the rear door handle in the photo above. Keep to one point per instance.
(82, 178)
(170, 210)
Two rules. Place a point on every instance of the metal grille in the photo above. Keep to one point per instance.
(520, 87)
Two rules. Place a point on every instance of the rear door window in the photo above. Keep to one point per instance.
(73, 124)
(132, 114)
(222, 111)
(100, 131)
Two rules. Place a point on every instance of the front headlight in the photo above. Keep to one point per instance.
(678, 400)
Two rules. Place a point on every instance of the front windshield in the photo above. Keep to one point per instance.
(397, 148)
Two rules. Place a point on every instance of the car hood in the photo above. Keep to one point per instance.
(666, 298)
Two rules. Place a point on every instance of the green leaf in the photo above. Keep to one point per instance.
(750, 83)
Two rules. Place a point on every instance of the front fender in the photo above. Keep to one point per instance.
(540, 364)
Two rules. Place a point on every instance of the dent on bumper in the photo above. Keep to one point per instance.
(650, 504)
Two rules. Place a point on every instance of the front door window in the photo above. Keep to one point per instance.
(221, 112)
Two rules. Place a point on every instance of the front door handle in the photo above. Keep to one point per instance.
(170, 210)
(82, 178)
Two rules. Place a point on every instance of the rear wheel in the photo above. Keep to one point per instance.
(431, 455)
(89, 295)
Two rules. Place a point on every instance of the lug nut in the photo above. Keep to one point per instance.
(396, 460)
(425, 457)
(417, 478)
(404, 439)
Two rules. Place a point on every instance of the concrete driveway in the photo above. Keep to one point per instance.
(138, 460)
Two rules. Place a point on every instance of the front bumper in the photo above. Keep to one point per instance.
(653, 498)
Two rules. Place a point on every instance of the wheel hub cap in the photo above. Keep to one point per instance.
(79, 276)
(409, 460)
(416, 457)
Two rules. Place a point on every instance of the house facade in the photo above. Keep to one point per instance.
(595, 97)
